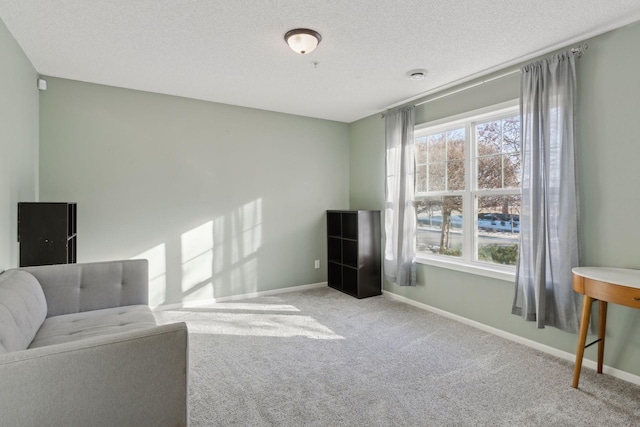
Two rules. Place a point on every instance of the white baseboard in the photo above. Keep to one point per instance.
(623, 375)
(200, 303)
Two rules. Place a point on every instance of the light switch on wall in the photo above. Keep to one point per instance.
(317, 263)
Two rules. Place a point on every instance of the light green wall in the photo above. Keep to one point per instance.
(608, 113)
(223, 200)
(366, 163)
(18, 141)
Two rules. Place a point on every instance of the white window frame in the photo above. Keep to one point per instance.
(467, 263)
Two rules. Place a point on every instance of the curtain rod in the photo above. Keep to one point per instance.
(462, 89)
(578, 50)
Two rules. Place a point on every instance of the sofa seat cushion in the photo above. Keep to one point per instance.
(76, 326)
(23, 308)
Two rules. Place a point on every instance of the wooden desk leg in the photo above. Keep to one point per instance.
(602, 325)
(587, 302)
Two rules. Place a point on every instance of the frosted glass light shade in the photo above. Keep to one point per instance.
(302, 40)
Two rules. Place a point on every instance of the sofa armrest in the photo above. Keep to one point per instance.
(132, 378)
(72, 288)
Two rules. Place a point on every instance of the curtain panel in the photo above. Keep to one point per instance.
(549, 246)
(400, 214)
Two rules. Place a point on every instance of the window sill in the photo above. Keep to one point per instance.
(487, 270)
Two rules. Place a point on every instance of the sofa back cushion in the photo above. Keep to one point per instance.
(23, 309)
(73, 288)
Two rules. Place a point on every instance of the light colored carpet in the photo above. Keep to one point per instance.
(322, 358)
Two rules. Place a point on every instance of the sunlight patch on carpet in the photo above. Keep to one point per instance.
(268, 320)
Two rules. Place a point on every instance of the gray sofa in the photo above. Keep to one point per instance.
(79, 346)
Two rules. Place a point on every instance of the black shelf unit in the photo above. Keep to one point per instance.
(354, 252)
(47, 233)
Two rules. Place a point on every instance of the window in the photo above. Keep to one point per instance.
(468, 173)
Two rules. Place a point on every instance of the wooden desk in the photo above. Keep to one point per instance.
(616, 285)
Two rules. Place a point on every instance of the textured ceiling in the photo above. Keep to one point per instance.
(233, 52)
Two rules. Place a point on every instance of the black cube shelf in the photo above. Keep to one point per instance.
(354, 252)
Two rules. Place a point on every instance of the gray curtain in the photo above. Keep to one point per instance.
(400, 214)
(549, 218)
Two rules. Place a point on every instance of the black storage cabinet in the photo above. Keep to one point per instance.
(47, 233)
(354, 252)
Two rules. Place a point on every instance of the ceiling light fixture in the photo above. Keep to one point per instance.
(302, 40)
